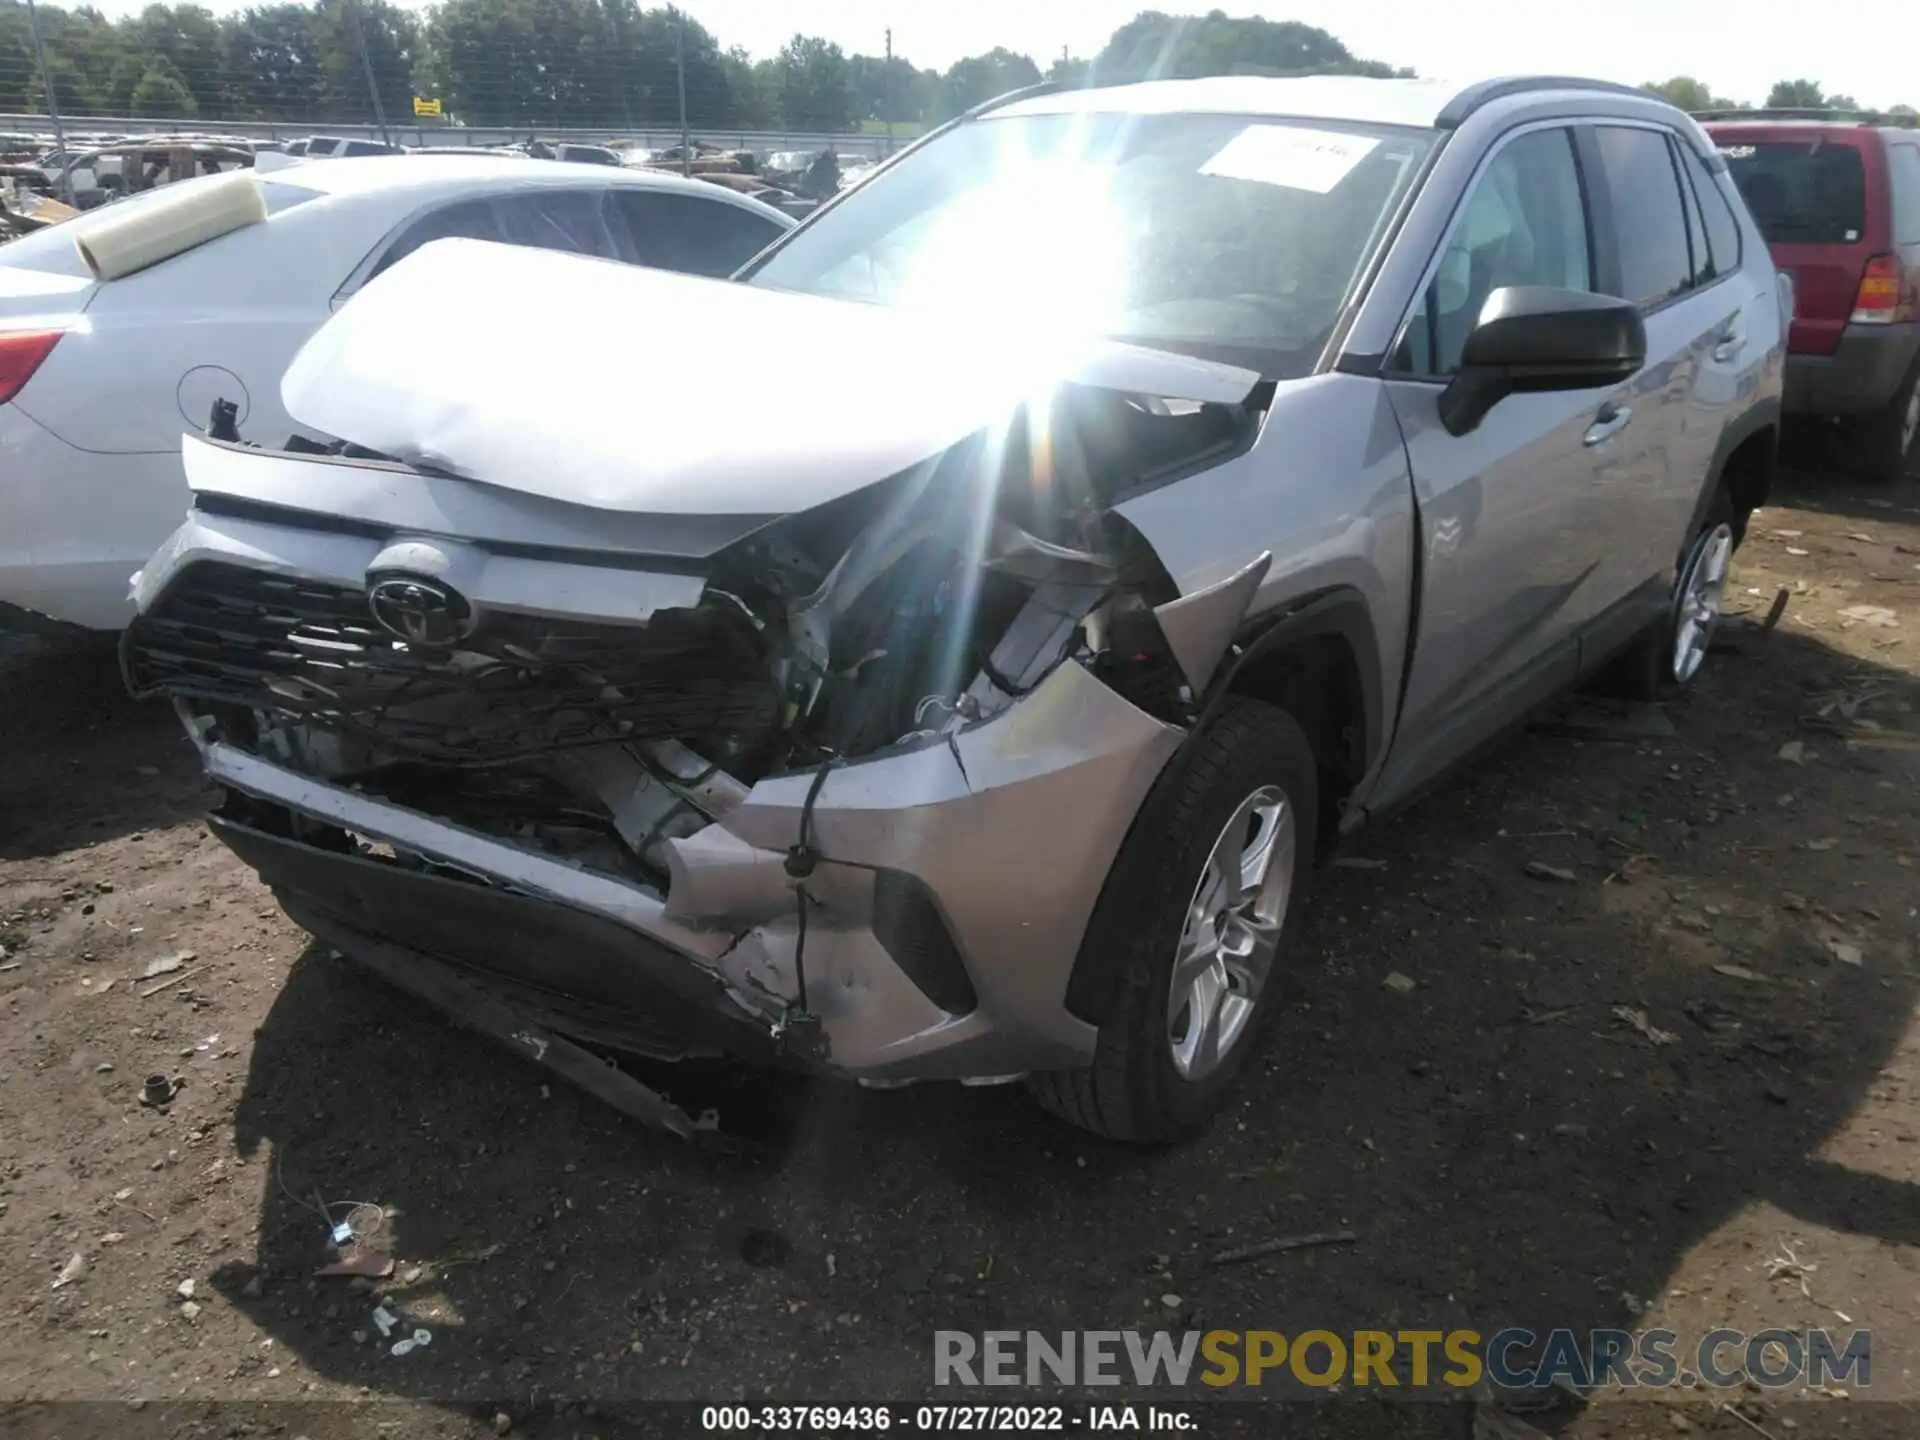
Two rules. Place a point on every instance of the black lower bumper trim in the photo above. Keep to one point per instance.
(577, 972)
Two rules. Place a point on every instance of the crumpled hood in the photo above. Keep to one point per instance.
(630, 389)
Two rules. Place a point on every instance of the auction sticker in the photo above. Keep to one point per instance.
(1315, 160)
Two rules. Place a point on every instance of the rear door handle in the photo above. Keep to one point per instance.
(1730, 346)
(1611, 420)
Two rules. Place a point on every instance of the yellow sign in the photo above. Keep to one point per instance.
(425, 107)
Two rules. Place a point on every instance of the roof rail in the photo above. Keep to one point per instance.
(1485, 92)
(1025, 92)
(1816, 113)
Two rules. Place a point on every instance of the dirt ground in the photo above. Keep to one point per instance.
(1675, 1086)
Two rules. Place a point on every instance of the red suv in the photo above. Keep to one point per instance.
(1838, 199)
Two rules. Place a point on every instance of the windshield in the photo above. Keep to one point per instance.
(1215, 235)
(1802, 193)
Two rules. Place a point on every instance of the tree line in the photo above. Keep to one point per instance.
(598, 63)
(1696, 95)
(562, 62)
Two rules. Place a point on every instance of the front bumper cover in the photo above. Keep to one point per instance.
(1005, 831)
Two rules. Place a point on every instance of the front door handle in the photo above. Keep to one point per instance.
(1611, 420)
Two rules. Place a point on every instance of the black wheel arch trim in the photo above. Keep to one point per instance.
(1339, 611)
(1760, 416)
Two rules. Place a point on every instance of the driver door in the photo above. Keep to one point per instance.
(1509, 554)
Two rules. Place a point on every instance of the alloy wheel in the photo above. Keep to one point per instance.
(1233, 926)
(1698, 605)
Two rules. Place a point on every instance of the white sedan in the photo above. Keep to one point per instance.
(99, 378)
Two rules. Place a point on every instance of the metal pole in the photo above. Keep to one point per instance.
(46, 80)
(366, 62)
(886, 90)
(680, 75)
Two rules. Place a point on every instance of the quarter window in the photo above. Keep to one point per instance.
(1524, 223)
(1651, 225)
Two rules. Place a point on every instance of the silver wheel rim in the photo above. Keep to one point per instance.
(1233, 924)
(1699, 605)
(1910, 427)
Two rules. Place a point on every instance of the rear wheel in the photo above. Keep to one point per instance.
(1885, 441)
(1203, 901)
(1672, 651)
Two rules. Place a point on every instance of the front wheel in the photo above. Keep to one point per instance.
(1202, 904)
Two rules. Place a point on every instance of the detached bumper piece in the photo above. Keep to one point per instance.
(601, 981)
(514, 968)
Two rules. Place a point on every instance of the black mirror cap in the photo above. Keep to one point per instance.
(1546, 338)
(1535, 338)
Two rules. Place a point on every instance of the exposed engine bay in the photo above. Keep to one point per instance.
(889, 618)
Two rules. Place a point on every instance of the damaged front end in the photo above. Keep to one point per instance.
(837, 788)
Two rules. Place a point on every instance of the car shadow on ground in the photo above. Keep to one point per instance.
(1594, 1069)
(1813, 477)
(79, 761)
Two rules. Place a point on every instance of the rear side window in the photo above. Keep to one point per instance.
(572, 220)
(695, 236)
(1906, 194)
(1803, 192)
(1723, 231)
(472, 219)
(1655, 261)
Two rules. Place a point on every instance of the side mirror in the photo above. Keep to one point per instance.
(1534, 338)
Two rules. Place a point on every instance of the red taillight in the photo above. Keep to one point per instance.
(20, 355)
(1881, 301)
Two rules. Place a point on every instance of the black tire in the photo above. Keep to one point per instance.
(1644, 670)
(1132, 1091)
(1883, 445)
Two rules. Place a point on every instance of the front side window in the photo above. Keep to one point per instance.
(1524, 223)
(1222, 236)
(1649, 221)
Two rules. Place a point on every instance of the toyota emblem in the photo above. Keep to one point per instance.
(420, 611)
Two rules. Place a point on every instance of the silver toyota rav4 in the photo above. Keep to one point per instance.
(945, 651)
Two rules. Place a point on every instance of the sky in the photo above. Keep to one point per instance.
(1861, 48)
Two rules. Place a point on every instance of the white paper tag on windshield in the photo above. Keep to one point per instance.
(1315, 160)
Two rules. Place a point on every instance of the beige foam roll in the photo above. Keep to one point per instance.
(114, 245)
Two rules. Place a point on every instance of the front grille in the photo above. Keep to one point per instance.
(518, 686)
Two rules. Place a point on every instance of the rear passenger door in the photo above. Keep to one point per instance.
(1655, 231)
